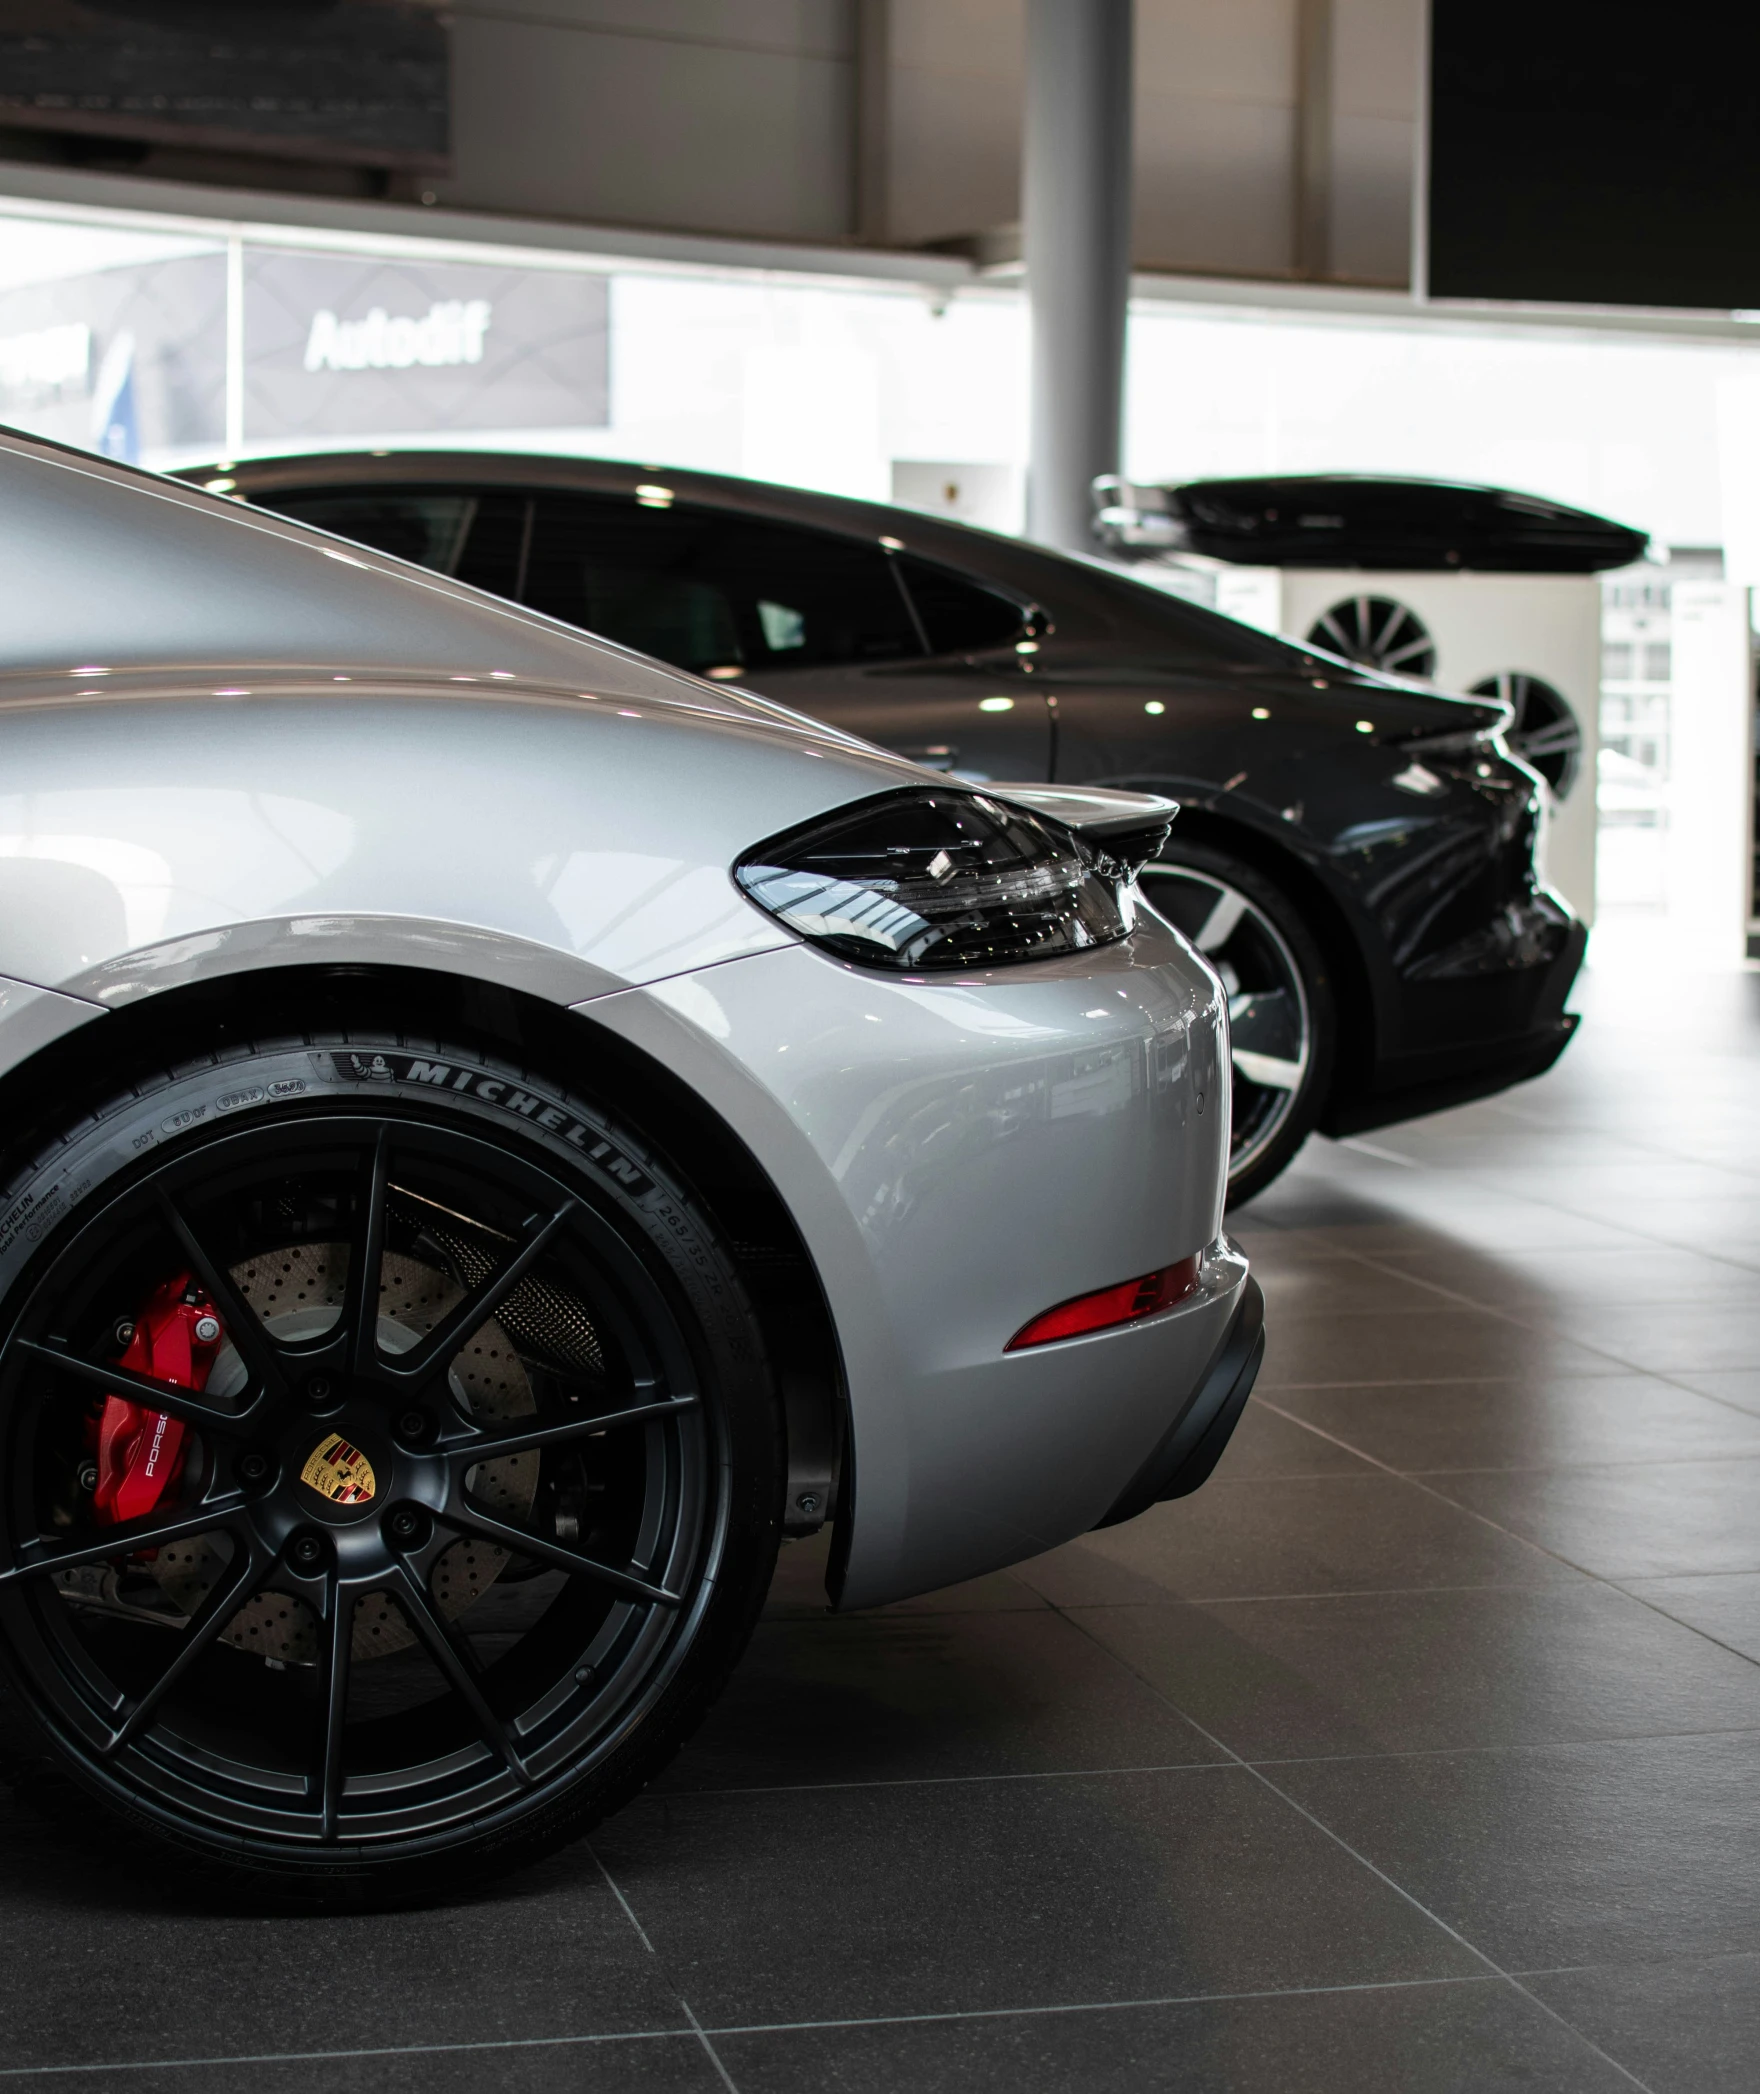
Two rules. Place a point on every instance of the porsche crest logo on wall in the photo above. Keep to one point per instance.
(337, 1469)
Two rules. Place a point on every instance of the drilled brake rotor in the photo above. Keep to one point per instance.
(297, 1292)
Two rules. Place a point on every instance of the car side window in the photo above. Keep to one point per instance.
(712, 590)
(472, 536)
(959, 616)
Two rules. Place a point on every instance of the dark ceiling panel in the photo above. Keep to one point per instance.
(359, 81)
(1604, 153)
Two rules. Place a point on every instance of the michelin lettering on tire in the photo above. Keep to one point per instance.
(299, 1072)
(507, 1096)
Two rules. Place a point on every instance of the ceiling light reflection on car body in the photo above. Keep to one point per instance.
(927, 882)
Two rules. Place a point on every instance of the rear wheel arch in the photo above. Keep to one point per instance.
(724, 1177)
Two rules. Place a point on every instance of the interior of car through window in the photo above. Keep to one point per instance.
(428, 526)
(711, 590)
(473, 535)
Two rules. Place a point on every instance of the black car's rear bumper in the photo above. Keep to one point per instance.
(1501, 1029)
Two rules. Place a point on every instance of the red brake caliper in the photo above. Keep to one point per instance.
(140, 1451)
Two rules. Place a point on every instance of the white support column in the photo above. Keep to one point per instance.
(1076, 231)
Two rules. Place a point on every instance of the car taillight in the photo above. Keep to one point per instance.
(925, 881)
(1107, 1306)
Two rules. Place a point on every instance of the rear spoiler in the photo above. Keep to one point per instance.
(1360, 520)
(1128, 828)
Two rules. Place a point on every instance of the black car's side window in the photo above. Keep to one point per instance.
(473, 537)
(959, 616)
(712, 590)
(708, 589)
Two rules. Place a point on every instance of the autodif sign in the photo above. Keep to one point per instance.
(451, 332)
(339, 345)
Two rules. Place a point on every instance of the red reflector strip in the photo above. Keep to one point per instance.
(1100, 1311)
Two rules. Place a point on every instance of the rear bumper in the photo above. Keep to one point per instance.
(958, 1156)
(1455, 1079)
(1501, 1029)
(1194, 1442)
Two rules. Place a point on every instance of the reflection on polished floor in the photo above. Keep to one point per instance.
(1420, 1750)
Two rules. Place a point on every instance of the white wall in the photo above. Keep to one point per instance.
(824, 388)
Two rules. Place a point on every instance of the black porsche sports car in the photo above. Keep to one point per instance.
(1355, 854)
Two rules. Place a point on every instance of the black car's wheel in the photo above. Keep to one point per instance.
(390, 1469)
(1280, 1007)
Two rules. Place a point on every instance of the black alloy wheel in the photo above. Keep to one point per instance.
(460, 1528)
(1378, 633)
(1543, 731)
(1280, 1010)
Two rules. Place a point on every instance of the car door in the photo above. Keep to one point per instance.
(839, 627)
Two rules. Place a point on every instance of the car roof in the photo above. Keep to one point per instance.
(966, 545)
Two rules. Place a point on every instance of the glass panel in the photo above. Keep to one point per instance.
(784, 629)
(1187, 636)
(475, 538)
(711, 590)
(428, 528)
(494, 552)
(959, 616)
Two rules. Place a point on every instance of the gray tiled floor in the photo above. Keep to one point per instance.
(1419, 1751)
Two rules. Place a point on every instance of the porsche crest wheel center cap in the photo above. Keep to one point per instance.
(339, 1472)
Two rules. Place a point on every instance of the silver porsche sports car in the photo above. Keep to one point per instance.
(498, 1131)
